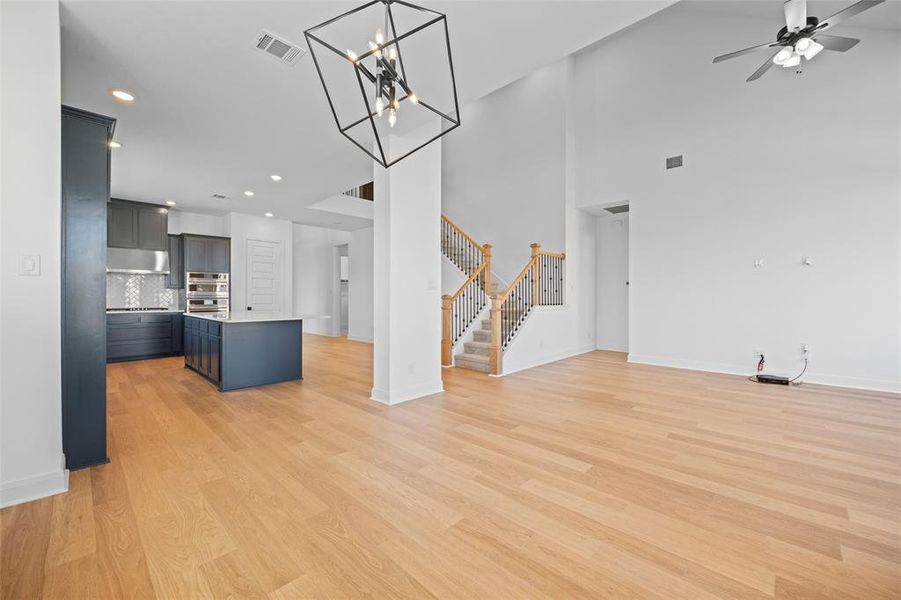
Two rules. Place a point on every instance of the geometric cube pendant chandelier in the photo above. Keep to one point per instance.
(388, 76)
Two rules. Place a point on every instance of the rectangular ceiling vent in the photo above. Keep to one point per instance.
(220, 196)
(674, 161)
(615, 210)
(279, 48)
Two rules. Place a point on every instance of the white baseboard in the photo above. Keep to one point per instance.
(548, 358)
(412, 393)
(612, 348)
(354, 338)
(879, 385)
(34, 488)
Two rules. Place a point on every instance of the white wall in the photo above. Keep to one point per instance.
(242, 228)
(613, 273)
(196, 223)
(777, 169)
(503, 170)
(31, 461)
(360, 316)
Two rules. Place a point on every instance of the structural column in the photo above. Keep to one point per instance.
(407, 276)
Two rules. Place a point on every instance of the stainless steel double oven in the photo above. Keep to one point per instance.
(207, 293)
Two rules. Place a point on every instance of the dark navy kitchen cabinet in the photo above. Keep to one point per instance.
(206, 254)
(203, 347)
(175, 280)
(137, 225)
(134, 336)
(85, 162)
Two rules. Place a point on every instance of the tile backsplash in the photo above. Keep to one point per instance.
(129, 290)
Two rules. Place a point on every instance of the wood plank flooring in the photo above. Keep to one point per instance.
(586, 478)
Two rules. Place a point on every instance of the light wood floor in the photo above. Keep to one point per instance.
(589, 477)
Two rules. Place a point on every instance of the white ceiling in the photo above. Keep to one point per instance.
(215, 115)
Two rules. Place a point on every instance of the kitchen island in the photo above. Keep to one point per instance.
(244, 350)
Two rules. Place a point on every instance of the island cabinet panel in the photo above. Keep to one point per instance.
(202, 348)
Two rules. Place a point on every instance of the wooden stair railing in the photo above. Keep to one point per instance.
(460, 309)
(540, 283)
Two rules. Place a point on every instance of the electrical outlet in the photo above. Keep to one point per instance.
(805, 349)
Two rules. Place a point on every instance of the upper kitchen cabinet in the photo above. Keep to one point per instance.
(137, 225)
(176, 277)
(207, 254)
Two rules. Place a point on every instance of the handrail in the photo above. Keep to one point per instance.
(503, 295)
(541, 282)
(460, 231)
(460, 309)
(471, 278)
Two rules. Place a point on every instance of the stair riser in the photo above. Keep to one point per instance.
(470, 348)
(481, 336)
(473, 366)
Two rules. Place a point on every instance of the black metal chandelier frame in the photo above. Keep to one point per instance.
(397, 74)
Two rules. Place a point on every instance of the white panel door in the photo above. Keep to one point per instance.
(265, 271)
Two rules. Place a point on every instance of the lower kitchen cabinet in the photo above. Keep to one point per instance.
(203, 347)
(134, 336)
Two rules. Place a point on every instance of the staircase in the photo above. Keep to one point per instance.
(540, 283)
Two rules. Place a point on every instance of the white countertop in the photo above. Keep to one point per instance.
(249, 317)
(144, 312)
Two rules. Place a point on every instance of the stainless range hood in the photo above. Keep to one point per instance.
(132, 260)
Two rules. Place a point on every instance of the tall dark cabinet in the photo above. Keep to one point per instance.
(85, 194)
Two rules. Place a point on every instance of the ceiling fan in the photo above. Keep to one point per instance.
(803, 36)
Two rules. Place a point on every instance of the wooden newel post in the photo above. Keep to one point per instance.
(447, 344)
(536, 274)
(496, 351)
(486, 250)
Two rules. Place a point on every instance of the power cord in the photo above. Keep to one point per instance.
(793, 381)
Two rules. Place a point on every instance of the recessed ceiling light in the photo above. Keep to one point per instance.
(269, 214)
(275, 177)
(170, 202)
(115, 145)
(123, 95)
(248, 193)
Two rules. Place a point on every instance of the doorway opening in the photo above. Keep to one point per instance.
(341, 283)
(613, 279)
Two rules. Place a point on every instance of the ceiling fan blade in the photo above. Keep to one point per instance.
(745, 51)
(795, 14)
(836, 43)
(854, 9)
(763, 69)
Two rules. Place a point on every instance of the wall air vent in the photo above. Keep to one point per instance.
(279, 48)
(674, 161)
(615, 210)
(220, 196)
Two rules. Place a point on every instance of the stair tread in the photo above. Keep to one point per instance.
(479, 344)
(472, 357)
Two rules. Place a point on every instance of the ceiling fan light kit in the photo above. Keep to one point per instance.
(803, 36)
(388, 76)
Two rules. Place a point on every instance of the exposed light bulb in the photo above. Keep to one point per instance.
(115, 145)
(392, 117)
(413, 98)
(379, 106)
(374, 46)
(812, 50)
(392, 52)
(379, 37)
(793, 61)
(352, 55)
(802, 45)
(783, 55)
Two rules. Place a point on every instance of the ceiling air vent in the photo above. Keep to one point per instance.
(279, 48)
(674, 161)
(220, 196)
(615, 210)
